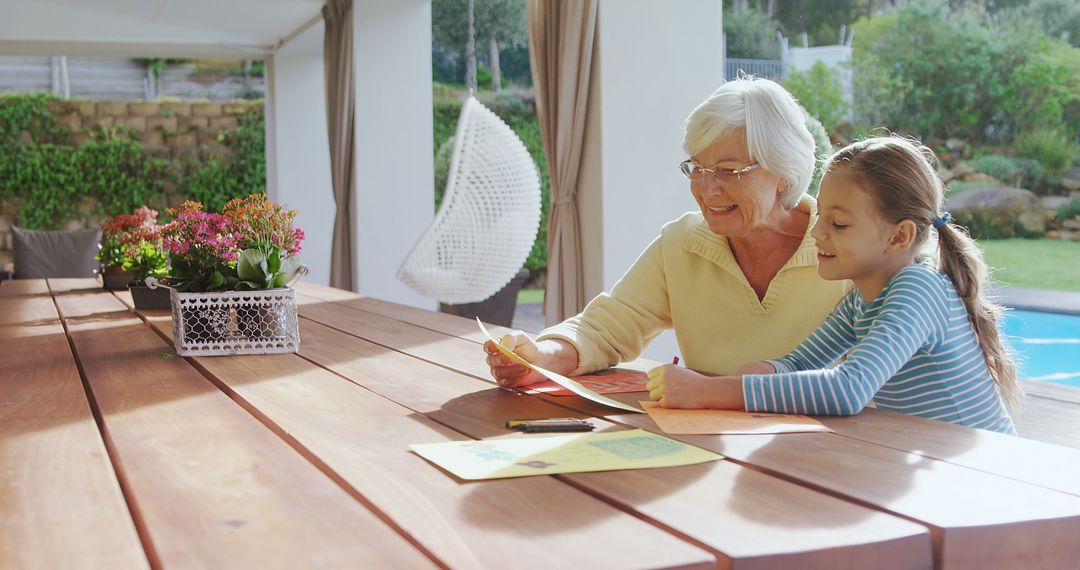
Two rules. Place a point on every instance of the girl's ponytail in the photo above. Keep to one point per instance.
(962, 260)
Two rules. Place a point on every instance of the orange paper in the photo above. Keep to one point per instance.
(617, 383)
(704, 422)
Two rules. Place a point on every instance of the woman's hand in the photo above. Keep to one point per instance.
(677, 387)
(756, 367)
(555, 355)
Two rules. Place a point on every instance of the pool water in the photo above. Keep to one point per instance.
(1048, 345)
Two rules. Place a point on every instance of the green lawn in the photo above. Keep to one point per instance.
(530, 296)
(1034, 263)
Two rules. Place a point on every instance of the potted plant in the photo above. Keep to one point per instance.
(145, 259)
(230, 277)
(112, 255)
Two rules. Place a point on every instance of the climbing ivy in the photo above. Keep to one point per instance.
(50, 180)
(241, 172)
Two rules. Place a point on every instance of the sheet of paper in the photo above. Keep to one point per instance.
(701, 422)
(547, 455)
(616, 383)
(560, 379)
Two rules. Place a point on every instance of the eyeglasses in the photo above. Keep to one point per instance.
(695, 171)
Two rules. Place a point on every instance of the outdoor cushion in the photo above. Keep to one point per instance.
(43, 253)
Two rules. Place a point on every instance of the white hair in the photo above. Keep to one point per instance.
(776, 133)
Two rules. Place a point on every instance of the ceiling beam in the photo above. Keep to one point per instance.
(136, 49)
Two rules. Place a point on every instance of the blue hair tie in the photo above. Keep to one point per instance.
(942, 219)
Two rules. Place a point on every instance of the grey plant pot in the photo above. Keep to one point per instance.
(497, 309)
(114, 280)
(147, 298)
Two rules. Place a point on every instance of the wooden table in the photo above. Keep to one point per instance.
(115, 453)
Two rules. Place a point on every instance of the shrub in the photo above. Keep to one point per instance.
(1018, 172)
(935, 73)
(933, 65)
(820, 93)
(442, 169)
(1051, 148)
(1069, 210)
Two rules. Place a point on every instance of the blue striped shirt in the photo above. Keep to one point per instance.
(912, 350)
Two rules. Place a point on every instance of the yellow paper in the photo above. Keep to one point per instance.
(559, 379)
(700, 422)
(579, 453)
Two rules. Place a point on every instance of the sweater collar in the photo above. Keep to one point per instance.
(702, 241)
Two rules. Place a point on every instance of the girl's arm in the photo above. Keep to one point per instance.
(911, 310)
(676, 387)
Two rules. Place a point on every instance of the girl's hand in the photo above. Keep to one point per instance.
(678, 387)
(756, 367)
(510, 373)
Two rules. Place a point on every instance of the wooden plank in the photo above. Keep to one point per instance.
(32, 304)
(1034, 389)
(1050, 420)
(61, 505)
(214, 486)
(978, 520)
(1051, 466)
(1023, 524)
(363, 439)
(446, 324)
(830, 532)
(323, 293)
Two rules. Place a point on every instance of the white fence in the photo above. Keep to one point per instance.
(118, 79)
(766, 68)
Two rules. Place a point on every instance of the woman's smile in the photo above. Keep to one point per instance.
(721, 209)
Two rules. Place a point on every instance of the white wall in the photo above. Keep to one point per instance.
(298, 151)
(654, 66)
(394, 201)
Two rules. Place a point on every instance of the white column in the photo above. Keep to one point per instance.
(651, 68)
(298, 152)
(394, 201)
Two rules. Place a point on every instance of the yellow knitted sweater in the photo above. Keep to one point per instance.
(688, 279)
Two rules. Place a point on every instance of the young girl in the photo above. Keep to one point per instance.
(917, 340)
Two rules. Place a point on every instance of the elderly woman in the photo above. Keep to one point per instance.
(737, 280)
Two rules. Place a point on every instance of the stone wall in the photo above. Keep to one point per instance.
(165, 129)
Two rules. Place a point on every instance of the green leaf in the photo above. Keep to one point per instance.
(217, 280)
(252, 266)
(273, 260)
(289, 267)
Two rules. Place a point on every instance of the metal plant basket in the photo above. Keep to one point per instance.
(234, 322)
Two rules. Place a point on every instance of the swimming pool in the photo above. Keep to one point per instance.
(1048, 345)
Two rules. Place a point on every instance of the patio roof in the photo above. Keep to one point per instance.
(153, 28)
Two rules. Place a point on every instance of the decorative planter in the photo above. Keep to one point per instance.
(113, 279)
(233, 322)
(147, 298)
(497, 309)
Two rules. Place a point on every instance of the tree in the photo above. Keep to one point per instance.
(749, 33)
(820, 20)
(498, 23)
